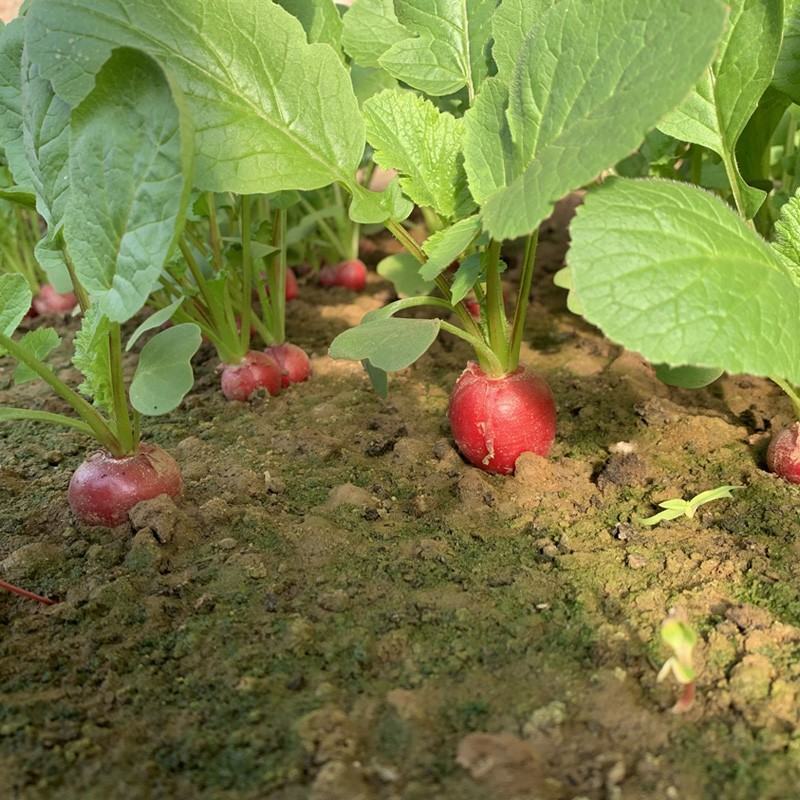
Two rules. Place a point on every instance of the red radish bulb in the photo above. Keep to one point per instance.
(104, 489)
(352, 275)
(292, 287)
(293, 361)
(327, 276)
(783, 454)
(474, 307)
(255, 371)
(49, 301)
(495, 420)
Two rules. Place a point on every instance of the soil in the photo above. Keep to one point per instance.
(339, 608)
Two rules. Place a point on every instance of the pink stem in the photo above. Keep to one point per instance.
(9, 587)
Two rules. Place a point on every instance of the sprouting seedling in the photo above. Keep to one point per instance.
(681, 638)
(688, 508)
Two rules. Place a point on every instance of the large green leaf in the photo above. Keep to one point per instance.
(388, 344)
(436, 46)
(670, 271)
(787, 235)
(320, 20)
(92, 358)
(787, 68)
(593, 76)
(272, 111)
(11, 141)
(164, 374)
(130, 160)
(423, 144)
(39, 343)
(511, 24)
(716, 112)
(15, 301)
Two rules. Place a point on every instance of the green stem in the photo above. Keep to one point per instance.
(277, 289)
(488, 359)
(247, 274)
(696, 164)
(730, 169)
(122, 418)
(792, 392)
(9, 414)
(99, 427)
(523, 300)
(213, 224)
(791, 135)
(495, 308)
(80, 292)
(329, 232)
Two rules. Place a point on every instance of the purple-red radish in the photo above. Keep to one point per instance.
(255, 371)
(50, 302)
(292, 287)
(783, 454)
(293, 361)
(474, 307)
(495, 420)
(327, 276)
(350, 275)
(104, 489)
(9, 587)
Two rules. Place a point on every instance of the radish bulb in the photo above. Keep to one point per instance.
(293, 361)
(255, 371)
(50, 302)
(292, 287)
(495, 420)
(104, 489)
(349, 275)
(783, 454)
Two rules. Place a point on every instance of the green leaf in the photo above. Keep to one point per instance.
(39, 343)
(164, 374)
(716, 112)
(12, 39)
(50, 257)
(378, 378)
(403, 271)
(423, 144)
(320, 20)
(787, 68)
(129, 166)
(15, 301)
(720, 493)
(92, 357)
(663, 516)
(389, 344)
(273, 112)
(466, 277)
(155, 320)
(671, 271)
(368, 81)
(591, 79)
(370, 28)
(687, 377)
(445, 246)
(369, 208)
(787, 235)
(511, 25)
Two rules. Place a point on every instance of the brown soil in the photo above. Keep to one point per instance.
(340, 609)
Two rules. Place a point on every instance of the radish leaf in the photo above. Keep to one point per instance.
(370, 28)
(403, 271)
(467, 276)
(92, 358)
(15, 301)
(39, 343)
(320, 20)
(11, 139)
(687, 377)
(787, 73)
(592, 77)
(129, 164)
(445, 246)
(511, 24)
(164, 374)
(155, 320)
(671, 271)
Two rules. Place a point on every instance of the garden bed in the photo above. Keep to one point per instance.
(339, 608)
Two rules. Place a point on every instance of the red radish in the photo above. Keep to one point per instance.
(495, 420)
(292, 288)
(327, 276)
(49, 301)
(349, 275)
(255, 371)
(292, 360)
(474, 307)
(783, 454)
(104, 489)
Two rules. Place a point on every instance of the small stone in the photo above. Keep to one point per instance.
(750, 680)
(227, 543)
(54, 457)
(636, 561)
(349, 495)
(274, 485)
(334, 601)
(160, 515)
(372, 514)
(550, 716)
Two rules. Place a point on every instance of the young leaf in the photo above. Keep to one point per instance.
(609, 71)
(155, 320)
(389, 344)
(716, 112)
(129, 167)
(423, 144)
(164, 373)
(445, 246)
(15, 301)
(403, 271)
(39, 343)
(320, 20)
(92, 358)
(273, 112)
(466, 277)
(670, 271)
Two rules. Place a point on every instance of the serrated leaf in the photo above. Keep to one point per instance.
(445, 246)
(15, 301)
(716, 112)
(93, 359)
(164, 374)
(388, 344)
(39, 343)
(155, 320)
(130, 162)
(320, 20)
(403, 271)
(672, 272)
(423, 144)
(467, 275)
(687, 377)
(591, 79)
(273, 112)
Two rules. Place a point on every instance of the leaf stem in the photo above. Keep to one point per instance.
(9, 414)
(792, 392)
(523, 300)
(122, 417)
(214, 234)
(247, 274)
(495, 308)
(277, 287)
(80, 292)
(9, 587)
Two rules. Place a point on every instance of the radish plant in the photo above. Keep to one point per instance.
(111, 177)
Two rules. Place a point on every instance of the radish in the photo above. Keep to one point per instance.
(255, 371)
(104, 489)
(495, 420)
(292, 287)
(783, 454)
(348, 274)
(292, 360)
(51, 302)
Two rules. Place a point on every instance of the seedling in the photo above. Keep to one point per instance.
(681, 638)
(673, 509)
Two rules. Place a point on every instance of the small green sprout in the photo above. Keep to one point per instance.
(688, 508)
(681, 638)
